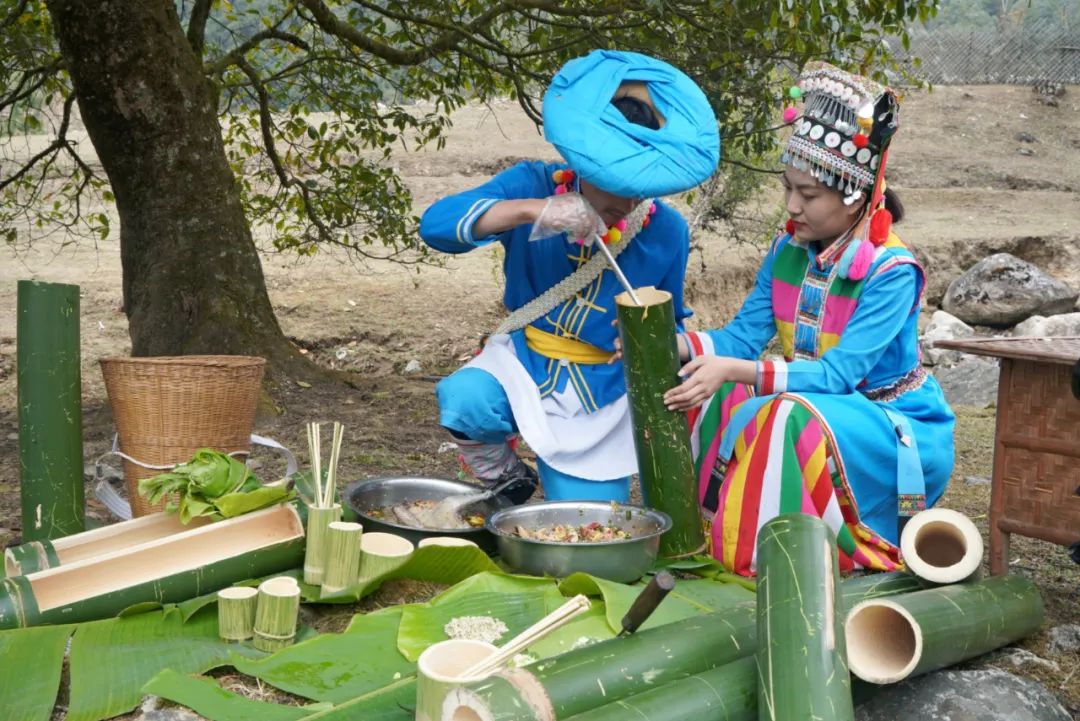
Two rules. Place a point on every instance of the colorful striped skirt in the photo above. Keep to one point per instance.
(783, 459)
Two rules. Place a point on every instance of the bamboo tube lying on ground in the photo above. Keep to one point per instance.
(725, 693)
(276, 612)
(39, 555)
(942, 546)
(891, 639)
(236, 612)
(168, 570)
(383, 553)
(577, 681)
(661, 437)
(49, 380)
(342, 558)
(318, 519)
(801, 661)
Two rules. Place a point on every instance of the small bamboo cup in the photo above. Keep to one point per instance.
(383, 553)
(445, 541)
(342, 559)
(236, 612)
(319, 518)
(438, 671)
(276, 612)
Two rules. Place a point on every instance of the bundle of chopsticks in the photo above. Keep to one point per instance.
(324, 490)
(563, 614)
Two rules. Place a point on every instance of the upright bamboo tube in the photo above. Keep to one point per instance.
(891, 639)
(318, 520)
(236, 612)
(942, 546)
(342, 560)
(276, 612)
(49, 379)
(382, 554)
(661, 437)
(802, 668)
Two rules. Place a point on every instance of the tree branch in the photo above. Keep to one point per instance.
(196, 31)
(234, 56)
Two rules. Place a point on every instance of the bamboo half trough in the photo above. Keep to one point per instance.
(41, 555)
(166, 570)
(661, 437)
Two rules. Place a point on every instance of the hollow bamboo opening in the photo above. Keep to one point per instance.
(385, 544)
(464, 713)
(884, 642)
(445, 661)
(940, 544)
(177, 553)
(648, 295)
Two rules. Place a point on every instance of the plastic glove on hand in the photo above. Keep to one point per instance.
(568, 213)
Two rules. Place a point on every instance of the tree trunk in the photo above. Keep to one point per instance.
(193, 281)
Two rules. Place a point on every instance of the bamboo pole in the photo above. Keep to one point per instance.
(941, 545)
(441, 667)
(276, 613)
(725, 693)
(342, 559)
(382, 554)
(169, 570)
(577, 681)
(319, 519)
(236, 612)
(892, 639)
(802, 669)
(661, 437)
(49, 380)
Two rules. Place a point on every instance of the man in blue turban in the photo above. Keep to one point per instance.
(630, 128)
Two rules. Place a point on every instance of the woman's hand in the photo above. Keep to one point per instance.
(703, 376)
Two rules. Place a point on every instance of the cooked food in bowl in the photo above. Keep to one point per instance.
(594, 532)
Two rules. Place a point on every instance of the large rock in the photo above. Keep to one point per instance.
(971, 382)
(944, 326)
(980, 695)
(1039, 326)
(1003, 290)
(1065, 638)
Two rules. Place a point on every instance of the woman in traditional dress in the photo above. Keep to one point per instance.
(847, 426)
(630, 128)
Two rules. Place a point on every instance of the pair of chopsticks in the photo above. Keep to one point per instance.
(574, 607)
(324, 492)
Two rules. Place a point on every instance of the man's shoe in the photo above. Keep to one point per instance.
(525, 485)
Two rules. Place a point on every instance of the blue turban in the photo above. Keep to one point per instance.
(621, 157)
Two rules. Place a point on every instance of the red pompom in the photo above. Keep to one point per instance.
(568, 176)
(789, 227)
(645, 223)
(880, 224)
(860, 140)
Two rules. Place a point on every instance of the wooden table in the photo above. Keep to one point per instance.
(1035, 489)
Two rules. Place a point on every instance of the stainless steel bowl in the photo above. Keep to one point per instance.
(362, 496)
(622, 561)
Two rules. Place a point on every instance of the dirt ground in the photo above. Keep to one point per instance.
(957, 163)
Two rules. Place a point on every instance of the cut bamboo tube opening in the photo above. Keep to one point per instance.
(342, 560)
(941, 546)
(440, 668)
(449, 541)
(382, 554)
(236, 612)
(276, 613)
(41, 555)
(895, 642)
(319, 518)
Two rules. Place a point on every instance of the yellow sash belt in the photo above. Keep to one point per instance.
(550, 345)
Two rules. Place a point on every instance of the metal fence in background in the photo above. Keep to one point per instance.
(1012, 55)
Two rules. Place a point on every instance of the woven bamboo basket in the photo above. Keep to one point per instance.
(167, 407)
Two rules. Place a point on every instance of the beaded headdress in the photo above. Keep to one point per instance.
(842, 138)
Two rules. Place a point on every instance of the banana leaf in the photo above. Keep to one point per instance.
(111, 660)
(207, 698)
(33, 659)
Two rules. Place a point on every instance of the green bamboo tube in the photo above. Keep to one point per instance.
(891, 639)
(30, 558)
(661, 437)
(439, 669)
(383, 553)
(318, 518)
(236, 612)
(276, 613)
(270, 541)
(802, 670)
(571, 682)
(342, 559)
(49, 381)
(725, 693)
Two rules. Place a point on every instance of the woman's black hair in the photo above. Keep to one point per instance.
(893, 205)
(636, 111)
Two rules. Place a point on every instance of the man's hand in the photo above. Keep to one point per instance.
(568, 213)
